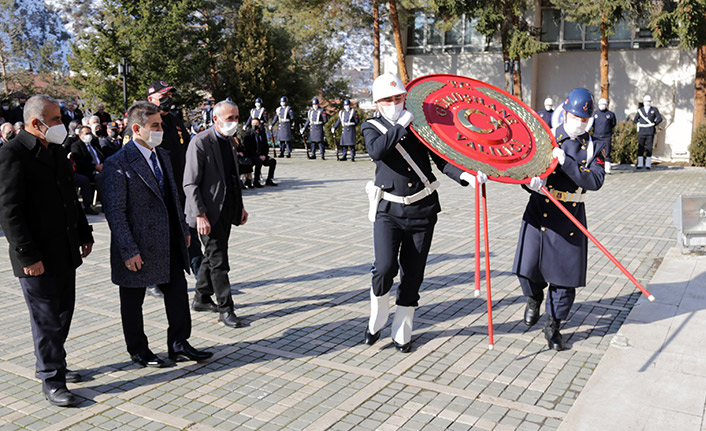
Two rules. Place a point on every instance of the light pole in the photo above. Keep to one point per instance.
(512, 66)
(124, 70)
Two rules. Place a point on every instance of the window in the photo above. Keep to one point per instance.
(425, 36)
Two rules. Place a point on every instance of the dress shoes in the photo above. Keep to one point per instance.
(147, 359)
(532, 312)
(204, 306)
(289, 156)
(271, 183)
(61, 397)
(247, 184)
(551, 332)
(370, 339)
(154, 291)
(188, 353)
(89, 211)
(404, 348)
(258, 185)
(70, 376)
(230, 319)
(342, 159)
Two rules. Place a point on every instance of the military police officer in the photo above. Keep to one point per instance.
(547, 112)
(403, 207)
(603, 124)
(315, 120)
(551, 250)
(284, 116)
(257, 112)
(647, 119)
(348, 118)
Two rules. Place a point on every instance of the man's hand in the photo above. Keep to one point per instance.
(99, 168)
(471, 180)
(202, 224)
(86, 249)
(535, 184)
(188, 241)
(405, 118)
(134, 263)
(35, 269)
(244, 217)
(559, 154)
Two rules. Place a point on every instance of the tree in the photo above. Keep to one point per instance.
(401, 63)
(603, 14)
(376, 38)
(686, 20)
(504, 17)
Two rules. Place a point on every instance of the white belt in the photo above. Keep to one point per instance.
(408, 200)
(316, 123)
(349, 124)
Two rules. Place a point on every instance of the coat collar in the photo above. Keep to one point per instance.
(139, 164)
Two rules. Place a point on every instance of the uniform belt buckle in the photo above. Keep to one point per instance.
(405, 200)
(560, 195)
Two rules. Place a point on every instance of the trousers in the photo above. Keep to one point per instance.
(644, 145)
(559, 299)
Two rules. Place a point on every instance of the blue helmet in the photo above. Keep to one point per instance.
(283, 99)
(258, 100)
(580, 103)
(229, 99)
(347, 102)
(315, 101)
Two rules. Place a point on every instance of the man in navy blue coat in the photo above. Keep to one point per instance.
(547, 112)
(551, 250)
(604, 122)
(284, 117)
(315, 120)
(647, 119)
(149, 237)
(348, 119)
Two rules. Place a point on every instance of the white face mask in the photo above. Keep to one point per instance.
(548, 107)
(86, 139)
(648, 105)
(347, 108)
(602, 107)
(283, 104)
(55, 134)
(258, 105)
(155, 138)
(391, 112)
(228, 128)
(574, 127)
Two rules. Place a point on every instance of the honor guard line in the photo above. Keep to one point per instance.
(442, 107)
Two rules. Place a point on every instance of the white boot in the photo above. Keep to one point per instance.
(639, 162)
(648, 162)
(402, 328)
(607, 167)
(379, 312)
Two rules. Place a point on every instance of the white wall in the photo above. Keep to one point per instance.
(666, 74)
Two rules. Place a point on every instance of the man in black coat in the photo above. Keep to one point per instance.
(256, 149)
(48, 235)
(647, 119)
(88, 161)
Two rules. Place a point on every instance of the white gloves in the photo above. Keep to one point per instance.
(245, 127)
(536, 183)
(470, 179)
(405, 118)
(333, 130)
(559, 154)
(301, 131)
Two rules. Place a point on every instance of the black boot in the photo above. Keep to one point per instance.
(552, 334)
(532, 311)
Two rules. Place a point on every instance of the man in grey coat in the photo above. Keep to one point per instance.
(149, 237)
(214, 202)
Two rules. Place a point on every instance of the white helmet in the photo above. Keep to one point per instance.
(387, 85)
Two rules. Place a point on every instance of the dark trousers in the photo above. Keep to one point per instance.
(313, 148)
(83, 183)
(195, 254)
(406, 241)
(559, 299)
(285, 145)
(213, 275)
(176, 304)
(608, 144)
(50, 300)
(644, 145)
(344, 151)
(269, 162)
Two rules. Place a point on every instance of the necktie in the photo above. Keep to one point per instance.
(94, 155)
(157, 172)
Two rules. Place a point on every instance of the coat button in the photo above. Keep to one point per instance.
(409, 169)
(543, 229)
(571, 234)
(546, 200)
(409, 184)
(574, 203)
(583, 161)
(544, 215)
(583, 147)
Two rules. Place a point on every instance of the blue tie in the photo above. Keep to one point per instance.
(157, 172)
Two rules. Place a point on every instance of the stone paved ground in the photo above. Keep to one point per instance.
(300, 274)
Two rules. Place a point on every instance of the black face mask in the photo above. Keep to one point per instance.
(166, 104)
(113, 134)
(10, 135)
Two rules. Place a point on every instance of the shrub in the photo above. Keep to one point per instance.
(624, 146)
(697, 149)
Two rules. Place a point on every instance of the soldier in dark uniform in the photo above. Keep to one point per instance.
(547, 112)
(348, 118)
(404, 207)
(647, 119)
(315, 120)
(603, 124)
(284, 116)
(257, 112)
(175, 140)
(111, 143)
(551, 250)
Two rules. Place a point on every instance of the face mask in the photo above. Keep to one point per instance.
(393, 112)
(258, 105)
(548, 107)
(648, 105)
(228, 128)
(55, 134)
(10, 135)
(282, 104)
(347, 108)
(94, 128)
(155, 138)
(165, 104)
(602, 107)
(113, 134)
(574, 127)
(315, 106)
(5, 108)
(86, 139)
